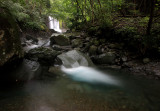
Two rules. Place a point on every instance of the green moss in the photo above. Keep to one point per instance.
(11, 41)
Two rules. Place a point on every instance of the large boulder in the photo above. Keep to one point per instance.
(28, 70)
(61, 40)
(10, 45)
(106, 58)
(23, 70)
(44, 55)
(75, 58)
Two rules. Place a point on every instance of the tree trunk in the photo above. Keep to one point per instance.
(151, 17)
(92, 11)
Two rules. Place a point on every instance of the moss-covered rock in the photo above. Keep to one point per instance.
(44, 55)
(61, 40)
(107, 58)
(10, 45)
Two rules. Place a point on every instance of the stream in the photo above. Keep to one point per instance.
(78, 88)
(75, 91)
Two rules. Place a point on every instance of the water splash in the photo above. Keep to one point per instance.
(91, 75)
(54, 24)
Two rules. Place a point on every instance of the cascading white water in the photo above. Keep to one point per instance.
(79, 68)
(54, 24)
(91, 75)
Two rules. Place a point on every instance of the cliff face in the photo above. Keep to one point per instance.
(10, 45)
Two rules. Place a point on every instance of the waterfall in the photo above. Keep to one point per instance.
(54, 24)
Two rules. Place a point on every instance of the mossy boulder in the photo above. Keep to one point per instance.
(106, 58)
(61, 40)
(44, 55)
(10, 45)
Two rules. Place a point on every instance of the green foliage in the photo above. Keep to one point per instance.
(28, 13)
(16, 9)
(76, 13)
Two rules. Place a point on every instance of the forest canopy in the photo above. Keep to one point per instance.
(135, 20)
(33, 13)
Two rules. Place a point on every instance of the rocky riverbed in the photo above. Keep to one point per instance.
(48, 86)
(102, 53)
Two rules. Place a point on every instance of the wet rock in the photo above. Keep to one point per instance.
(77, 43)
(57, 48)
(129, 64)
(146, 60)
(100, 50)
(52, 41)
(150, 70)
(61, 48)
(118, 61)
(28, 70)
(43, 55)
(61, 40)
(124, 58)
(66, 48)
(71, 37)
(87, 39)
(20, 71)
(115, 46)
(110, 66)
(107, 58)
(33, 39)
(57, 62)
(87, 46)
(93, 50)
(68, 31)
(75, 58)
(56, 70)
(53, 31)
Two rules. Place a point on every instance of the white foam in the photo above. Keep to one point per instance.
(91, 75)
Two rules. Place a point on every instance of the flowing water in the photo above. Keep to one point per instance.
(54, 24)
(83, 89)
